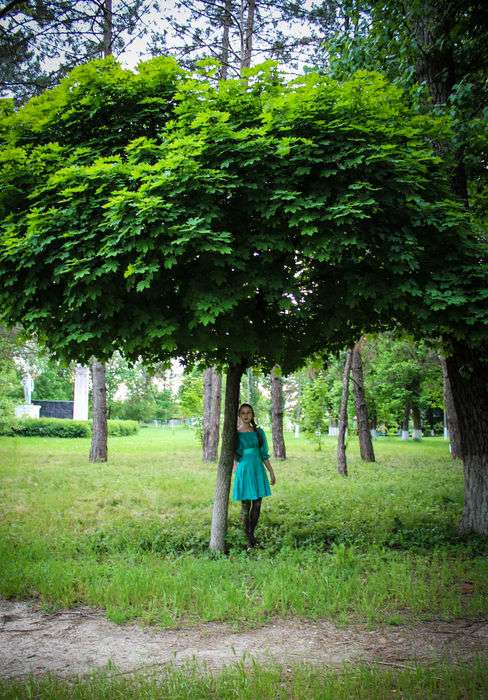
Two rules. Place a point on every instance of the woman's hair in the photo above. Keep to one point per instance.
(253, 422)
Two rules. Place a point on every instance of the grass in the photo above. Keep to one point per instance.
(266, 682)
(131, 535)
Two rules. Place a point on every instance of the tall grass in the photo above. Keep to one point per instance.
(131, 535)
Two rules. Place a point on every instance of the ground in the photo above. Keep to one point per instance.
(80, 640)
(366, 580)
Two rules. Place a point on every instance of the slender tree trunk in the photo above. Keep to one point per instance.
(224, 56)
(107, 28)
(450, 413)
(365, 442)
(341, 442)
(212, 388)
(417, 423)
(224, 469)
(215, 408)
(207, 408)
(277, 408)
(406, 418)
(247, 29)
(468, 376)
(98, 451)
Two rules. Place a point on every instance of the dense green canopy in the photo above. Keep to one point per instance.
(165, 213)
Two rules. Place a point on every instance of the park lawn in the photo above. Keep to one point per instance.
(266, 682)
(131, 535)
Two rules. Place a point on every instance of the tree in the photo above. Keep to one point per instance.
(441, 46)
(341, 441)
(286, 226)
(278, 407)
(190, 395)
(450, 411)
(240, 32)
(54, 382)
(10, 380)
(401, 376)
(98, 449)
(362, 418)
(42, 40)
(314, 405)
(212, 386)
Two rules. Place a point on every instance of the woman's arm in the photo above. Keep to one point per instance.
(272, 476)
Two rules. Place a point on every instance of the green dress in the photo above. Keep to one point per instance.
(251, 480)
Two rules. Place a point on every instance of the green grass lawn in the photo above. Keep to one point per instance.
(131, 535)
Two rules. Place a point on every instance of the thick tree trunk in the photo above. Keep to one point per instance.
(277, 408)
(468, 376)
(224, 469)
(451, 418)
(365, 443)
(466, 369)
(406, 418)
(417, 423)
(341, 442)
(98, 451)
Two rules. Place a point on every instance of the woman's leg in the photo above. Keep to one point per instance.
(254, 517)
(246, 520)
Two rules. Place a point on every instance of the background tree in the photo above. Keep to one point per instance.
(190, 395)
(362, 415)
(277, 412)
(41, 41)
(10, 379)
(343, 416)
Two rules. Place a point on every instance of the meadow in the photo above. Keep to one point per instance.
(131, 536)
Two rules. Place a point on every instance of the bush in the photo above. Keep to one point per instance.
(62, 427)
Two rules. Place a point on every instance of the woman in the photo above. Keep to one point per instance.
(251, 482)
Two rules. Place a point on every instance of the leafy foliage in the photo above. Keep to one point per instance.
(293, 215)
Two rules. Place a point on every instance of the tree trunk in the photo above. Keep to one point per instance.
(224, 55)
(406, 418)
(107, 28)
(468, 376)
(98, 451)
(247, 29)
(341, 443)
(215, 408)
(417, 423)
(277, 408)
(467, 370)
(227, 451)
(451, 418)
(365, 443)
(212, 388)
(207, 408)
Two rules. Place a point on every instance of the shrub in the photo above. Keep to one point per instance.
(62, 427)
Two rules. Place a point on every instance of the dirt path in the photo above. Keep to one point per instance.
(81, 640)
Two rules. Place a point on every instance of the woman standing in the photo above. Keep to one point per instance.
(251, 482)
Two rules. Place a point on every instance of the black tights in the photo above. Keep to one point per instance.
(250, 511)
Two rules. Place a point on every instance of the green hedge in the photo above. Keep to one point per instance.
(62, 427)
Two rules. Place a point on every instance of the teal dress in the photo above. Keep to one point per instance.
(251, 480)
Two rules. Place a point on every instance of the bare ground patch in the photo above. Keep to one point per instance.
(81, 640)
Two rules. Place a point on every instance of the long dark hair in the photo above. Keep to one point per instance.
(253, 423)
